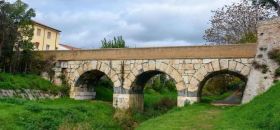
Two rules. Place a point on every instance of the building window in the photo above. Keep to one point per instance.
(47, 47)
(49, 35)
(37, 45)
(38, 32)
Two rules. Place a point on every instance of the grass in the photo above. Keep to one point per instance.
(19, 114)
(262, 113)
(56, 114)
(27, 81)
(155, 104)
(104, 93)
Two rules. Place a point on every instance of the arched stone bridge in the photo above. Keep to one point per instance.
(189, 67)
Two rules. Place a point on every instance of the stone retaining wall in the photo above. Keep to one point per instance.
(27, 94)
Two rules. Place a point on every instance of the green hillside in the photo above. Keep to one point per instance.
(262, 113)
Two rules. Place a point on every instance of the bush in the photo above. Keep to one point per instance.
(165, 104)
(124, 118)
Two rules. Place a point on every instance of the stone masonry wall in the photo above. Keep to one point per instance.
(27, 94)
(187, 74)
(268, 39)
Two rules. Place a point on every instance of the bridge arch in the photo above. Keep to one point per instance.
(209, 70)
(216, 73)
(93, 70)
(142, 73)
(151, 69)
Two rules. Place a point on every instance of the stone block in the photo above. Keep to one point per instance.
(146, 67)
(208, 67)
(197, 66)
(244, 61)
(190, 71)
(232, 65)
(224, 64)
(152, 65)
(192, 88)
(198, 76)
(203, 71)
(245, 71)
(206, 61)
(117, 83)
(194, 82)
(186, 79)
(188, 61)
(189, 66)
(196, 61)
(180, 86)
(216, 65)
(239, 67)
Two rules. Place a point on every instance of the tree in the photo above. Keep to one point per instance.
(16, 30)
(275, 4)
(117, 42)
(235, 23)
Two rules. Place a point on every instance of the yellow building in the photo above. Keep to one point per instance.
(45, 37)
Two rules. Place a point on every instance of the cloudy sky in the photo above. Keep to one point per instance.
(142, 23)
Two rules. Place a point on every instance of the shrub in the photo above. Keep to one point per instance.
(124, 118)
(165, 104)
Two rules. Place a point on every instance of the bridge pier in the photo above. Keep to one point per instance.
(268, 39)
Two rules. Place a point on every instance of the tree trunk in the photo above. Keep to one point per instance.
(278, 11)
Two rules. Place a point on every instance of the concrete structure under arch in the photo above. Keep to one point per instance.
(188, 66)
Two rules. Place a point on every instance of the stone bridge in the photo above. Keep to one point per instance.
(190, 67)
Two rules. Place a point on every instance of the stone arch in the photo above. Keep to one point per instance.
(222, 66)
(215, 73)
(94, 66)
(154, 66)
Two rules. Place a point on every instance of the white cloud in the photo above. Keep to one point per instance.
(141, 22)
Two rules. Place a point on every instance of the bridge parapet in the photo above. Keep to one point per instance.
(184, 52)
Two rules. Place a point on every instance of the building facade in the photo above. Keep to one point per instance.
(45, 37)
(66, 47)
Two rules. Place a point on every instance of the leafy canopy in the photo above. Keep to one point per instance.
(117, 42)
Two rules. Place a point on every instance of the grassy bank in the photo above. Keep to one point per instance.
(262, 113)
(28, 81)
(56, 114)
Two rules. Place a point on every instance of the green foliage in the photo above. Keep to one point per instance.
(16, 32)
(27, 81)
(160, 84)
(261, 113)
(56, 114)
(220, 87)
(125, 119)
(117, 42)
(104, 90)
(248, 38)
